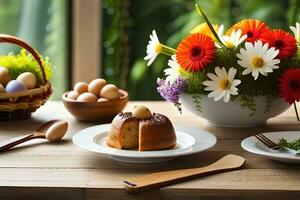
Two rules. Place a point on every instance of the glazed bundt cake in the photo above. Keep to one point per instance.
(141, 129)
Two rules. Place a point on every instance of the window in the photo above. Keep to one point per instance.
(44, 25)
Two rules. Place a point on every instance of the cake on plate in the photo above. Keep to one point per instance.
(141, 129)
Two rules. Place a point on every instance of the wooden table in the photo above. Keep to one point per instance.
(41, 170)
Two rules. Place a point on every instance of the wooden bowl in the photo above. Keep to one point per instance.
(101, 112)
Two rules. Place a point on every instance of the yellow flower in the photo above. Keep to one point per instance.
(204, 28)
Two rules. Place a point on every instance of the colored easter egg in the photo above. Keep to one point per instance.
(15, 86)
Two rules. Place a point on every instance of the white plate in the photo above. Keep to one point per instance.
(189, 141)
(253, 145)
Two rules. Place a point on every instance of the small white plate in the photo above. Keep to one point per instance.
(253, 145)
(189, 141)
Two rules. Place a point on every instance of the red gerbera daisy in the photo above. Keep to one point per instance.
(195, 52)
(281, 40)
(253, 28)
(289, 85)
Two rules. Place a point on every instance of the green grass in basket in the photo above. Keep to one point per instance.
(24, 62)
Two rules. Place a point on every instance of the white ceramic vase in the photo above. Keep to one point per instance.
(232, 114)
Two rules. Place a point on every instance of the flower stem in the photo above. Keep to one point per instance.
(168, 49)
(167, 53)
(201, 13)
(296, 111)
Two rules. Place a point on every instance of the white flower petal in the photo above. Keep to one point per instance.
(247, 71)
(219, 95)
(220, 73)
(213, 94)
(243, 63)
(211, 88)
(209, 83)
(212, 76)
(172, 72)
(233, 91)
(151, 60)
(296, 31)
(293, 29)
(235, 82)
(231, 74)
(255, 74)
(226, 97)
(220, 30)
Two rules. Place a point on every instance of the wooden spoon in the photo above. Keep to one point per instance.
(159, 179)
(53, 131)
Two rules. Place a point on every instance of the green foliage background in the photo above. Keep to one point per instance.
(128, 23)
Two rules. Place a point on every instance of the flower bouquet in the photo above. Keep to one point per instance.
(238, 77)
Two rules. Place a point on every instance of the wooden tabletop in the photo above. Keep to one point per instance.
(42, 170)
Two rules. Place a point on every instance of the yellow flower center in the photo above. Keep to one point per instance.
(224, 84)
(158, 48)
(229, 44)
(258, 62)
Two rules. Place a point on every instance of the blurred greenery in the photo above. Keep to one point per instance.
(128, 23)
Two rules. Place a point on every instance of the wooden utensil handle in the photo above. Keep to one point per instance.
(159, 179)
(15, 141)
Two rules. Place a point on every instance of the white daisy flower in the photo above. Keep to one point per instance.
(296, 31)
(172, 72)
(153, 48)
(234, 40)
(222, 84)
(258, 59)
(220, 31)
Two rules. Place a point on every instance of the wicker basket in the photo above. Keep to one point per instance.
(20, 105)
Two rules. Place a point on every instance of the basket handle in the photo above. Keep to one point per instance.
(15, 40)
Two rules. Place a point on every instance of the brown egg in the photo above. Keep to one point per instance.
(28, 79)
(2, 89)
(96, 85)
(81, 87)
(72, 95)
(141, 112)
(4, 76)
(110, 92)
(87, 97)
(102, 100)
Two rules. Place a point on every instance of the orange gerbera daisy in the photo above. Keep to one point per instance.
(253, 28)
(195, 52)
(281, 40)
